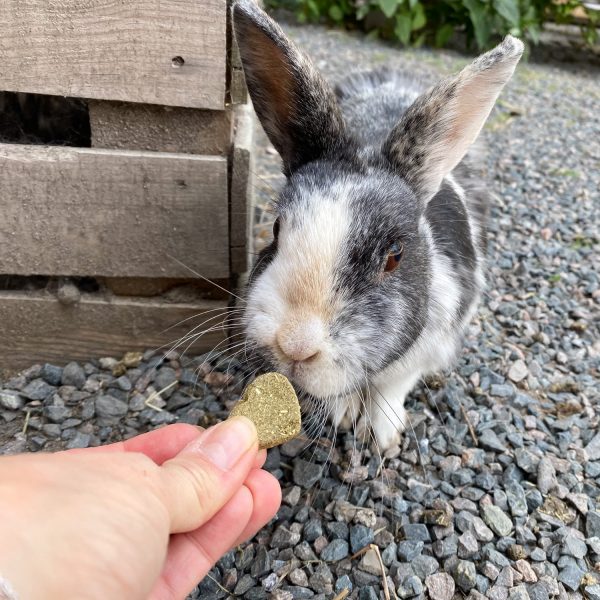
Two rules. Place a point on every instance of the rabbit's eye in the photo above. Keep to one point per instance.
(276, 227)
(394, 257)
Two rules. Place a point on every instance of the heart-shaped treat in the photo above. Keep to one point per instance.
(270, 402)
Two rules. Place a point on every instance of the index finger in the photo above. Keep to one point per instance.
(159, 445)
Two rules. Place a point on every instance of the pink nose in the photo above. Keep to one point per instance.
(301, 340)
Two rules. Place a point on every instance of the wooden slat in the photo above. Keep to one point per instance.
(71, 211)
(116, 50)
(37, 328)
(159, 128)
(242, 202)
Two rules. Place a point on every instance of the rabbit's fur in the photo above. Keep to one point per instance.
(375, 169)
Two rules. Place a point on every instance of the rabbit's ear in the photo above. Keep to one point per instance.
(297, 108)
(434, 134)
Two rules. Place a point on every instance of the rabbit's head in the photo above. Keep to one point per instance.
(344, 289)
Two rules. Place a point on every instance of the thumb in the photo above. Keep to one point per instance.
(206, 474)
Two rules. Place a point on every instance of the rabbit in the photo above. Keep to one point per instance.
(377, 260)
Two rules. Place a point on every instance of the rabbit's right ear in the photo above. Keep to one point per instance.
(297, 108)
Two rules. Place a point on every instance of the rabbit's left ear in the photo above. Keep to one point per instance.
(434, 134)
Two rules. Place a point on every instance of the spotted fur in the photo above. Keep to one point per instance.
(378, 162)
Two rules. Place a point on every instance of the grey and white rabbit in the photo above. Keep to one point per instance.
(376, 266)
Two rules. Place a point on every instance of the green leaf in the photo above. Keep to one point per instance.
(419, 19)
(389, 7)
(403, 29)
(420, 40)
(509, 10)
(480, 20)
(335, 12)
(443, 35)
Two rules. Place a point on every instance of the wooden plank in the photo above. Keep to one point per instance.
(72, 211)
(238, 92)
(169, 52)
(241, 189)
(38, 328)
(136, 286)
(159, 128)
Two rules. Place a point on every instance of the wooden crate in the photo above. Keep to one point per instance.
(164, 181)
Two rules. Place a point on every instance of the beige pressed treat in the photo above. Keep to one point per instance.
(270, 402)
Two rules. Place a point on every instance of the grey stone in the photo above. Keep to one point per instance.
(109, 408)
(446, 547)
(164, 382)
(408, 550)
(495, 557)
(490, 570)
(298, 577)
(592, 524)
(57, 414)
(465, 575)
(517, 501)
(497, 592)
(343, 583)
(306, 474)
(337, 529)
(415, 531)
(411, 587)
(73, 375)
(262, 563)
(574, 546)
(51, 374)
(79, 440)
(526, 460)
(467, 545)
(592, 592)
(424, 566)
(546, 479)
(538, 591)
(367, 593)
(593, 448)
(538, 555)
(334, 551)
(571, 576)
(519, 592)
(502, 390)
(490, 441)
(11, 400)
(313, 529)
(440, 586)
(37, 389)
(284, 538)
(497, 520)
(51, 430)
(518, 371)
(244, 583)
(305, 552)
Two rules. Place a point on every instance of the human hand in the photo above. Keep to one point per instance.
(145, 518)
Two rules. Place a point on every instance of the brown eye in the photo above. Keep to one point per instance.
(394, 257)
(276, 226)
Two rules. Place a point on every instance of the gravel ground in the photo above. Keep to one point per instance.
(495, 490)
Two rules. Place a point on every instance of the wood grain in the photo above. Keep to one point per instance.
(116, 50)
(242, 190)
(37, 328)
(71, 211)
(155, 128)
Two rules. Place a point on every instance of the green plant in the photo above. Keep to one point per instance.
(414, 22)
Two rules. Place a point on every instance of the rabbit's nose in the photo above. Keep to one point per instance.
(301, 340)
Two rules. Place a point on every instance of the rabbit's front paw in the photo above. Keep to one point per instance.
(346, 412)
(388, 428)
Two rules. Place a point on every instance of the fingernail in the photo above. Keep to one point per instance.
(224, 444)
